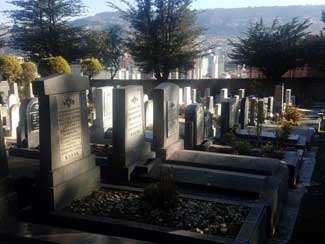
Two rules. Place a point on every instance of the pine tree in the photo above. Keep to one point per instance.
(41, 27)
(163, 35)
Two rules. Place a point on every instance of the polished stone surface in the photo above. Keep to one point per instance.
(45, 234)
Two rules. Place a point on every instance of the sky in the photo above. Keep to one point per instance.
(97, 6)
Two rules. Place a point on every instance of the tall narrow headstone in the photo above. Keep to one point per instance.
(270, 102)
(104, 115)
(194, 95)
(149, 114)
(8, 198)
(208, 126)
(225, 113)
(67, 168)
(210, 105)
(288, 97)
(207, 92)
(28, 128)
(129, 146)
(241, 93)
(278, 99)
(223, 94)
(166, 125)
(181, 97)
(293, 100)
(252, 112)
(260, 111)
(194, 126)
(244, 111)
(187, 95)
(14, 119)
(29, 92)
(218, 109)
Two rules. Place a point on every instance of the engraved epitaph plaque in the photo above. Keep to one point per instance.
(34, 117)
(172, 116)
(69, 123)
(108, 109)
(134, 125)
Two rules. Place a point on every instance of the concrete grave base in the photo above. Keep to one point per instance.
(98, 136)
(265, 178)
(8, 202)
(165, 153)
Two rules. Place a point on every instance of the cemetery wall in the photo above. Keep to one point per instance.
(305, 89)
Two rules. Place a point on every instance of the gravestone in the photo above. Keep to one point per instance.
(225, 113)
(208, 126)
(194, 126)
(149, 114)
(129, 146)
(194, 95)
(252, 111)
(104, 116)
(13, 99)
(29, 90)
(67, 167)
(293, 100)
(14, 119)
(187, 95)
(241, 93)
(166, 125)
(223, 94)
(260, 111)
(218, 109)
(278, 99)
(207, 92)
(8, 198)
(288, 96)
(233, 112)
(210, 105)
(244, 111)
(145, 98)
(28, 127)
(270, 102)
(181, 97)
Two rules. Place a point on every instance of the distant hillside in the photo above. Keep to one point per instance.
(224, 23)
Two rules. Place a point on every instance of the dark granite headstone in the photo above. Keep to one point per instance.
(252, 111)
(67, 168)
(208, 125)
(166, 125)
(225, 113)
(278, 99)
(244, 110)
(194, 126)
(28, 128)
(129, 146)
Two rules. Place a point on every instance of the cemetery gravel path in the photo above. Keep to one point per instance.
(310, 226)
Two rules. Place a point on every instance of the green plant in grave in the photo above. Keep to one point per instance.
(292, 114)
(162, 195)
(229, 139)
(244, 148)
(267, 149)
(283, 133)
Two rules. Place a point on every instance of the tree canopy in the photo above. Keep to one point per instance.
(274, 49)
(41, 28)
(53, 65)
(91, 67)
(29, 72)
(163, 35)
(10, 68)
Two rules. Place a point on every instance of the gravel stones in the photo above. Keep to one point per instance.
(202, 217)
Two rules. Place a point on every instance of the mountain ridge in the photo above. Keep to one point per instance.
(224, 22)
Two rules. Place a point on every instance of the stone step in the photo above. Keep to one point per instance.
(218, 161)
(211, 178)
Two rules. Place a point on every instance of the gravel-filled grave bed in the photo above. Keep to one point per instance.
(198, 216)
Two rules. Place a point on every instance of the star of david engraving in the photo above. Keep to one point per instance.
(134, 100)
(68, 102)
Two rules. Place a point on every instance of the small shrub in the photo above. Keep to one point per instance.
(229, 139)
(267, 149)
(284, 132)
(91, 67)
(292, 114)
(54, 65)
(164, 194)
(244, 148)
(10, 68)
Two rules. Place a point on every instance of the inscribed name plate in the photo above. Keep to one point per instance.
(34, 117)
(108, 109)
(172, 116)
(69, 122)
(134, 128)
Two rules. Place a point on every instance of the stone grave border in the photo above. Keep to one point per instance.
(253, 230)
